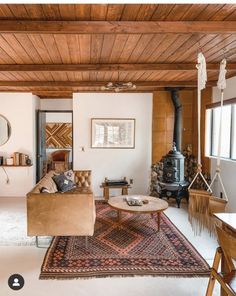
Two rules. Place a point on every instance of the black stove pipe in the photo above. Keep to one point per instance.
(177, 136)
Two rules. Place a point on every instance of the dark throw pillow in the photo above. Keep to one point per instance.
(63, 183)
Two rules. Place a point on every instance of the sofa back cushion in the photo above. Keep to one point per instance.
(83, 178)
(46, 182)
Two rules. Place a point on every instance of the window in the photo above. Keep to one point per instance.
(228, 134)
(233, 153)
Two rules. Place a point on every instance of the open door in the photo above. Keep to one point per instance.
(54, 132)
(41, 147)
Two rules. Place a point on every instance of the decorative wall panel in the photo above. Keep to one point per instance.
(58, 135)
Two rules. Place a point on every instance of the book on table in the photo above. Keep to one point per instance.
(134, 201)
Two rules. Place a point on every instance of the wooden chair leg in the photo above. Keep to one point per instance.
(226, 289)
(215, 266)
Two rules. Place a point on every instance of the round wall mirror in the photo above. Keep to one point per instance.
(5, 130)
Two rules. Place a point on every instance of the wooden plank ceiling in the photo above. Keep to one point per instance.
(55, 62)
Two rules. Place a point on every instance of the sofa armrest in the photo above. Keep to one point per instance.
(57, 214)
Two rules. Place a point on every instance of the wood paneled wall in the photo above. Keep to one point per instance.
(163, 122)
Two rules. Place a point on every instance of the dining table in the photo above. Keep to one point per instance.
(228, 222)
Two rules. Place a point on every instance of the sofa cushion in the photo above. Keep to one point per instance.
(63, 183)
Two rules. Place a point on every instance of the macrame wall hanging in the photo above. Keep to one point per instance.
(202, 203)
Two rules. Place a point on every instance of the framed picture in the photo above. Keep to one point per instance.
(116, 133)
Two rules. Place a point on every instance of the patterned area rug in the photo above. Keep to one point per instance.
(134, 248)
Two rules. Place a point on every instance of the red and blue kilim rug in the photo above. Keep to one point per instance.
(134, 249)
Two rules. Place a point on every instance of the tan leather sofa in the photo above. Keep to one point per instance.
(61, 214)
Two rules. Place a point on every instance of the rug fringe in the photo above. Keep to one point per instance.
(57, 277)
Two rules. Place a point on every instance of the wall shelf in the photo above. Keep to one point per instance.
(15, 166)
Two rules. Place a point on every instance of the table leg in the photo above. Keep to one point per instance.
(106, 193)
(119, 219)
(118, 216)
(223, 270)
(124, 191)
(224, 267)
(158, 221)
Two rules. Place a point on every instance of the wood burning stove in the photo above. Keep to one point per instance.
(171, 180)
(173, 166)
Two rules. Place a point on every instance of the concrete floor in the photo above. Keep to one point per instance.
(27, 261)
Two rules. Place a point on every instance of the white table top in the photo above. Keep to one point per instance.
(228, 219)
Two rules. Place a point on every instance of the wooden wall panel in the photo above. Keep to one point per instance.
(163, 123)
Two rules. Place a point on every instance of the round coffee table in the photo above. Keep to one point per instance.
(154, 206)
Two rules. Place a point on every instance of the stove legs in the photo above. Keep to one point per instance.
(178, 194)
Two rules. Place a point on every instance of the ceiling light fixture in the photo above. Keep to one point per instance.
(119, 86)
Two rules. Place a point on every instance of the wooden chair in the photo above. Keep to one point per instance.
(60, 160)
(227, 249)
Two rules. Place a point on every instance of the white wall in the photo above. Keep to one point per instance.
(56, 104)
(228, 167)
(19, 109)
(59, 117)
(114, 163)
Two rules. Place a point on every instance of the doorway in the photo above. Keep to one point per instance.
(54, 137)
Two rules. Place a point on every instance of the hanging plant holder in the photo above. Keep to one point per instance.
(202, 203)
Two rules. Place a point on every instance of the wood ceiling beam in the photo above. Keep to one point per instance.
(117, 27)
(65, 85)
(108, 67)
(52, 95)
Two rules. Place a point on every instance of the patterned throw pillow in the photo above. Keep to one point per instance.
(70, 175)
(63, 183)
